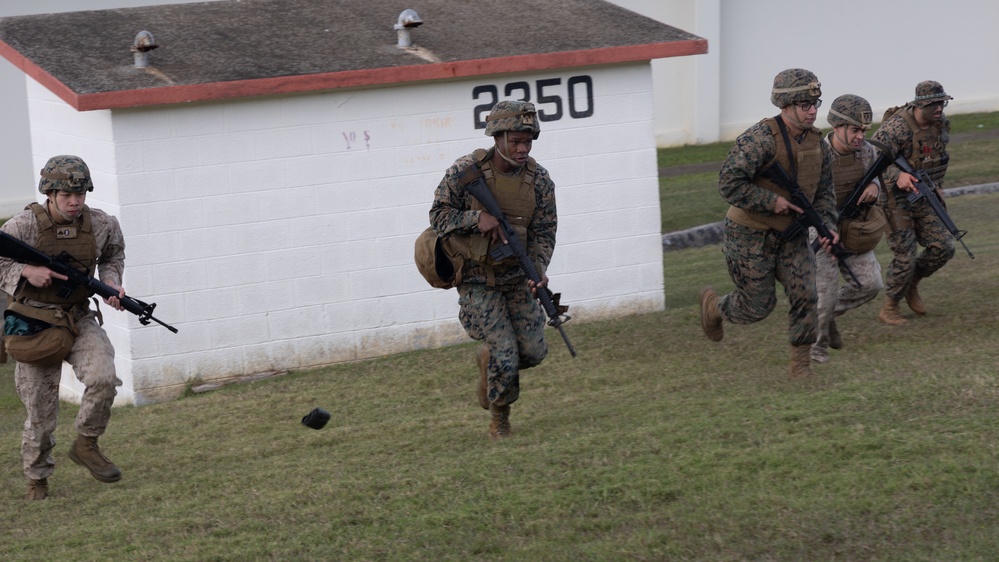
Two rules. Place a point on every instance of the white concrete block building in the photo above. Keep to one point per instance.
(270, 195)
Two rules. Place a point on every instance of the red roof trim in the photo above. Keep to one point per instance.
(350, 78)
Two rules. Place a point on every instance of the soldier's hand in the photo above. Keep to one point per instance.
(870, 194)
(783, 206)
(41, 276)
(490, 227)
(534, 286)
(907, 182)
(827, 244)
(115, 302)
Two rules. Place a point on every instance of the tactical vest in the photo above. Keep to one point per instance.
(847, 171)
(77, 240)
(807, 156)
(928, 149)
(516, 198)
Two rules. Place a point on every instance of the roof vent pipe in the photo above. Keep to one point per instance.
(143, 43)
(408, 19)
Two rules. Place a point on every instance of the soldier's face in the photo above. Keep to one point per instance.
(69, 204)
(932, 112)
(850, 136)
(516, 145)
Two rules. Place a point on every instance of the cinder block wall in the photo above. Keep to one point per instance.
(278, 232)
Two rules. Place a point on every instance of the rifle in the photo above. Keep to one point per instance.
(809, 216)
(926, 188)
(471, 178)
(17, 250)
(852, 207)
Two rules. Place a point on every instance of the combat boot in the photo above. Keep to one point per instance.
(711, 318)
(87, 454)
(835, 339)
(37, 489)
(890, 314)
(801, 367)
(913, 299)
(483, 389)
(499, 425)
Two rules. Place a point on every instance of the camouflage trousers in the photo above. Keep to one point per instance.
(836, 299)
(757, 260)
(927, 230)
(511, 322)
(92, 358)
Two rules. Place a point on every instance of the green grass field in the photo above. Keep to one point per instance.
(653, 444)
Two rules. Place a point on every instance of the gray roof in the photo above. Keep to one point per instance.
(236, 48)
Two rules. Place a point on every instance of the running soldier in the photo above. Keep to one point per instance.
(497, 302)
(850, 117)
(755, 252)
(919, 132)
(92, 237)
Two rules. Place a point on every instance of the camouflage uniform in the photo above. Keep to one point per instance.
(835, 299)
(92, 355)
(496, 306)
(757, 258)
(756, 255)
(915, 223)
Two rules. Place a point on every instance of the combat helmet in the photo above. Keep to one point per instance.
(65, 173)
(795, 85)
(929, 91)
(513, 116)
(849, 109)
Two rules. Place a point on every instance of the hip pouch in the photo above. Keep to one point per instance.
(38, 336)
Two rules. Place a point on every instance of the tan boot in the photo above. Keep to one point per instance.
(37, 489)
(87, 454)
(499, 425)
(890, 314)
(835, 339)
(913, 299)
(711, 318)
(801, 366)
(483, 389)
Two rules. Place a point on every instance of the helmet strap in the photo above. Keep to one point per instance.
(499, 151)
(66, 219)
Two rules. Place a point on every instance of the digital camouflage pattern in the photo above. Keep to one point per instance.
(913, 223)
(92, 355)
(752, 151)
(511, 322)
(908, 263)
(513, 116)
(504, 316)
(849, 109)
(834, 298)
(65, 173)
(929, 91)
(795, 85)
(451, 213)
(757, 259)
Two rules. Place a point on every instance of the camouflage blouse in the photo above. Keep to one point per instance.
(753, 150)
(451, 213)
(110, 247)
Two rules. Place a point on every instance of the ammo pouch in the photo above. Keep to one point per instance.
(440, 266)
(38, 336)
(860, 236)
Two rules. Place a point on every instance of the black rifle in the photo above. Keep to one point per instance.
(17, 250)
(926, 188)
(808, 217)
(471, 178)
(852, 207)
